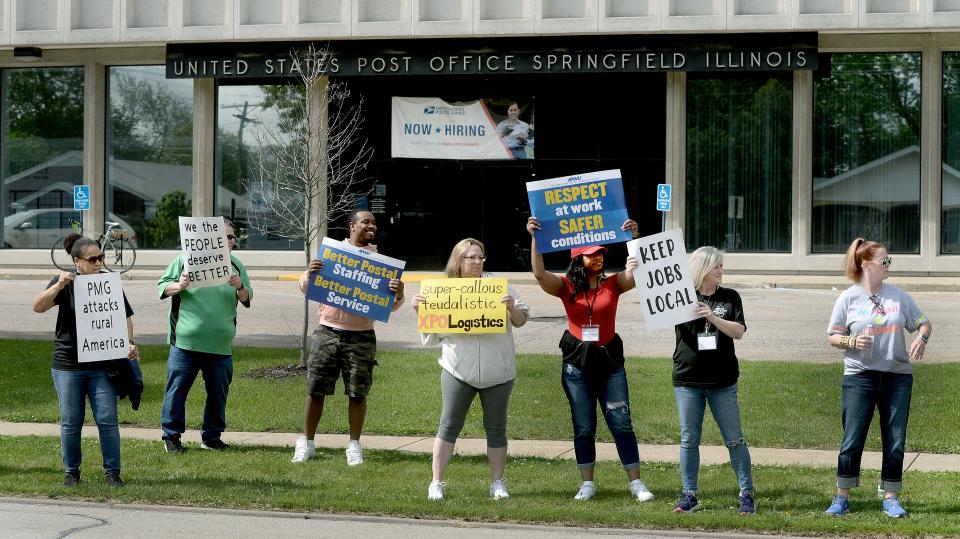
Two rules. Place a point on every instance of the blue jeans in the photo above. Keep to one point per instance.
(614, 399)
(691, 404)
(890, 393)
(72, 389)
(182, 369)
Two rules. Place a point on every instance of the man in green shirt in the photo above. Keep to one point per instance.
(203, 323)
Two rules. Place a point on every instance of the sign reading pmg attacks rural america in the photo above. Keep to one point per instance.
(101, 317)
(431, 128)
(206, 255)
(667, 295)
(462, 306)
(355, 280)
(574, 211)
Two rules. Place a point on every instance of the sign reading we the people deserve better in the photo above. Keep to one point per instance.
(206, 256)
(462, 306)
(101, 317)
(574, 211)
(667, 295)
(355, 280)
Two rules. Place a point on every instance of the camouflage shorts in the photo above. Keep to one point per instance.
(347, 354)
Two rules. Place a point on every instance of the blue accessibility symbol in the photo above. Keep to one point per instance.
(81, 197)
(663, 196)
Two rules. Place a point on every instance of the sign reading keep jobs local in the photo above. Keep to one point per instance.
(667, 295)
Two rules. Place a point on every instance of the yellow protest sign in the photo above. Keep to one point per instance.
(462, 306)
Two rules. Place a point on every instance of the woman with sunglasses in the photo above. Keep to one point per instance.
(471, 365)
(592, 370)
(76, 382)
(867, 324)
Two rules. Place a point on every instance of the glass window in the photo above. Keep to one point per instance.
(247, 125)
(950, 179)
(42, 153)
(866, 152)
(149, 153)
(739, 172)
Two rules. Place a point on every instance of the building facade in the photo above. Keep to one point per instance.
(785, 127)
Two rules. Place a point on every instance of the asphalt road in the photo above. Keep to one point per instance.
(784, 324)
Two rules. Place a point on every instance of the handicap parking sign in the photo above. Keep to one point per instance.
(663, 197)
(81, 197)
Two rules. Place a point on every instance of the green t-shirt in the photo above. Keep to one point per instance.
(203, 319)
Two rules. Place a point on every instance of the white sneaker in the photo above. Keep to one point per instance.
(587, 490)
(304, 450)
(354, 453)
(435, 490)
(640, 491)
(498, 491)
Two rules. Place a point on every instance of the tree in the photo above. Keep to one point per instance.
(308, 168)
(164, 228)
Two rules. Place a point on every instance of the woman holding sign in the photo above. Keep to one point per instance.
(593, 356)
(482, 364)
(867, 324)
(75, 382)
(705, 371)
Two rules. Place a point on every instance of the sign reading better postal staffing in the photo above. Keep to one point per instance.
(355, 280)
(574, 211)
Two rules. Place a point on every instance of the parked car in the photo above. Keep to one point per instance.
(38, 229)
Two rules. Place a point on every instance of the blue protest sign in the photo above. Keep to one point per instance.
(81, 197)
(663, 196)
(574, 211)
(355, 280)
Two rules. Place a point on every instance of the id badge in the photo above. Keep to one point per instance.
(590, 333)
(706, 341)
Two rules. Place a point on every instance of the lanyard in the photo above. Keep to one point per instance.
(590, 304)
(709, 302)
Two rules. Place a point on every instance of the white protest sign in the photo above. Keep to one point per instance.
(663, 279)
(206, 257)
(101, 317)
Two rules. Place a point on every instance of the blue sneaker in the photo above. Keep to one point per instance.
(892, 508)
(748, 505)
(840, 506)
(687, 503)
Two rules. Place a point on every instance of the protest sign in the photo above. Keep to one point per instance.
(462, 306)
(663, 279)
(101, 317)
(355, 280)
(206, 257)
(575, 211)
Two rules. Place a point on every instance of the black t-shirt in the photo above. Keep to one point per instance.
(708, 368)
(65, 341)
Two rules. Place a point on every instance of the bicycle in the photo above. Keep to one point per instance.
(119, 253)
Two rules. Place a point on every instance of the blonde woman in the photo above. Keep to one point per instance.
(474, 365)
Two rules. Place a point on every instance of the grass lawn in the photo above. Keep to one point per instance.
(783, 404)
(790, 499)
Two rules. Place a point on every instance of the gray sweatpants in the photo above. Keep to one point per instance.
(457, 397)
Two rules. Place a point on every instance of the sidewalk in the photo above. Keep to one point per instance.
(548, 449)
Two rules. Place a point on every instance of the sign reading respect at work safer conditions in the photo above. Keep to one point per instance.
(574, 211)
(355, 280)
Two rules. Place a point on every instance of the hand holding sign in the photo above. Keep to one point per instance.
(663, 279)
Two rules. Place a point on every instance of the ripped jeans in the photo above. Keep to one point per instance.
(614, 399)
(691, 403)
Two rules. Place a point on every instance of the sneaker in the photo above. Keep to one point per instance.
(171, 444)
(687, 503)
(840, 506)
(498, 491)
(354, 453)
(216, 445)
(113, 479)
(640, 491)
(586, 491)
(748, 505)
(892, 508)
(435, 490)
(71, 479)
(304, 450)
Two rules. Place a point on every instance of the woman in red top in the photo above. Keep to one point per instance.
(593, 356)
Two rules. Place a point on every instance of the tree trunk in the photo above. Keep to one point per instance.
(304, 349)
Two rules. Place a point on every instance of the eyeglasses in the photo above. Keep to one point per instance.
(480, 259)
(231, 237)
(886, 261)
(93, 259)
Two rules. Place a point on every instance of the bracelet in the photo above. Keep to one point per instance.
(926, 338)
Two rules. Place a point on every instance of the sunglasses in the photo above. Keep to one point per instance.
(231, 237)
(93, 259)
(886, 261)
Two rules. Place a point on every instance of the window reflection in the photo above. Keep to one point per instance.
(950, 179)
